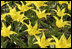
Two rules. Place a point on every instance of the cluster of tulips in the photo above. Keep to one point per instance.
(18, 16)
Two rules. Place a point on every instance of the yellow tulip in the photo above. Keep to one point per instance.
(42, 14)
(33, 30)
(60, 23)
(62, 42)
(60, 12)
(3, 16)
(69, 5)
(38, 4)
(63, 2)
(30, 2)
(3, 3)
(16, 16)
(69, 41)
(43, 42)
(6, 32)
(23, 7)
